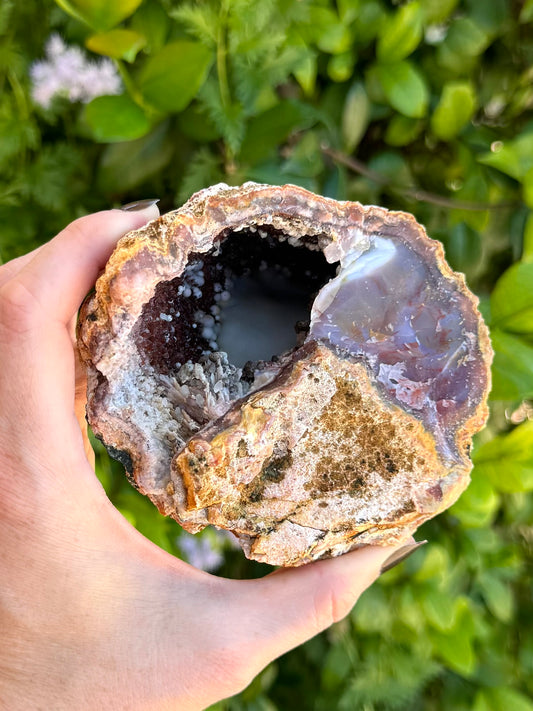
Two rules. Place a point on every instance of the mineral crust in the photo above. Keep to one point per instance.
(356, 435)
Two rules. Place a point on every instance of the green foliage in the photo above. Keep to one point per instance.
(431, 101)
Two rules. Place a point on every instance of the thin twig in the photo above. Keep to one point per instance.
(414, 193)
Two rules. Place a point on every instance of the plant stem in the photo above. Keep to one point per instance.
(361, 168)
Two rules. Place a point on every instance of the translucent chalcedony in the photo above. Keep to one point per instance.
(407, 321)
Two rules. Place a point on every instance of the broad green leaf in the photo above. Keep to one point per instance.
(373, 612)
(455, 649)
(435, 11)
(511, 301)
(498, 596)
(330, 34)
(153, 22)
(527, 248)
(478, 505)
(126, 165)
(402, 130)
(466, 38)
(434, 563)
(502, 699)
(171, 78)
(527, 188)
(115, 118)
(268, 130)
(401, 34)
(340, 66)
(405, 88)
(439, 608)
(454, 110)
(118, 44)
(100, 14)
(355, 116)
(526, 14)
(305, 73)
(305, 157)
(514, 157)
(512, 369)
(507, 460)
(335, 668)
(463, 247)
(196, 124)
(455, 645)
(464, 42)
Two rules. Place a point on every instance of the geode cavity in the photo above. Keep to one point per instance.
(356, 433)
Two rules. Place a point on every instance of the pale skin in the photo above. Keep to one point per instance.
(92, 614)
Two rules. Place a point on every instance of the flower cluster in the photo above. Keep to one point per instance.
(66, 72)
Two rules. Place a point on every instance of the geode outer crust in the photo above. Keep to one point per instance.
(356, 437)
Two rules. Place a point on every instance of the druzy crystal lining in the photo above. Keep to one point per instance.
(354, 432)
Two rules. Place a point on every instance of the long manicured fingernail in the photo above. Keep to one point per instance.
(139, 205)
(400, 555)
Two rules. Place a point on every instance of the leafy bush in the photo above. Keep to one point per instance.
(424, 106)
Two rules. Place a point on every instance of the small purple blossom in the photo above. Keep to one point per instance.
(68, 73)
(199, 552)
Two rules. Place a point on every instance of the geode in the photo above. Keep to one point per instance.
(355, 434)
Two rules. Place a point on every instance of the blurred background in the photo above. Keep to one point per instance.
(424, 106)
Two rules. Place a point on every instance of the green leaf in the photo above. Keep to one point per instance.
(153, 22)
(355, 116)
(402, 130)
(456, 650)
(439, 608)
(115, 118)
(340, 66)
(478, 505)
(196, 124)
(498, 596)
(118, 44)
(435, 11)
(464, 41)
(435, 563)
(171, 78)
(512, 369)
(527, 188)
(526, 14)
(455, 646)
(511, 301)
(401, 35)
(514, 157)
(100, 14)
(268, 130)
(507, 460)
(454, 110)
(527, 249)
(331, 35)
(463, 247)
(305, 72)
(125, 165)
(502, 699)
(405, 88)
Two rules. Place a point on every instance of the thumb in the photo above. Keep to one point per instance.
(288, 607)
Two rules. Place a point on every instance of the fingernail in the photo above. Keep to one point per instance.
(400, 555)
(139, 205)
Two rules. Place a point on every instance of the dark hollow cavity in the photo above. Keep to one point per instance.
(250, 296)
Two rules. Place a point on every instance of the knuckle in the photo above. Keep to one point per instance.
(231, 665)
(18, 308)
(333, 601)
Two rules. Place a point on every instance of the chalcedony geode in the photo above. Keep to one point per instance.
(354, 435)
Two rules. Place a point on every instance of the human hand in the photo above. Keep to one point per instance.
(93, 615)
